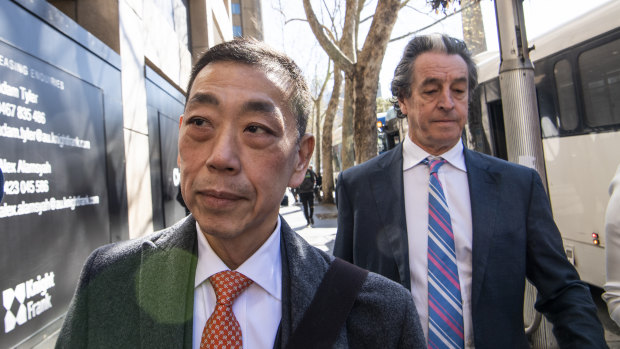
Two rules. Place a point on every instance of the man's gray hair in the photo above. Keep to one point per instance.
(403, 74)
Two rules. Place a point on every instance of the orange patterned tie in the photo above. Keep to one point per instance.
(222, 329)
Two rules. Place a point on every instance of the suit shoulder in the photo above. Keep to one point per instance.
(500, 165)
(382, 286)
(386, 297)
(123, 251)
(378, 162)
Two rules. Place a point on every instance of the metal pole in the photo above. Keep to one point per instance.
(522, 125)
(516, 77)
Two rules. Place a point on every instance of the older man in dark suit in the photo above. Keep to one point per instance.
(232, 273)
(460, 229)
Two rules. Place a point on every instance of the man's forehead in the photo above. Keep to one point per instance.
(275, 92)
(277, 76)
(439, 63)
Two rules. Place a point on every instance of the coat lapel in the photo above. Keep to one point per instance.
(484, 197)
(303, 268)
(386, 182)
(166, 287)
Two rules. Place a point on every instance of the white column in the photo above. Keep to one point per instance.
(137, 167)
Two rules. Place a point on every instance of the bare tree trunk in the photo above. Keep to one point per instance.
(347, 151)
(361, 73)
(365, 117)
(367, 79)
(473, 26)
(317, 134)
(328, 125)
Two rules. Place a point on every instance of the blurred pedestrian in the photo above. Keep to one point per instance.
(295, 194)
(306, 194)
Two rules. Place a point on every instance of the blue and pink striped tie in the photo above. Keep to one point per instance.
(445, 310)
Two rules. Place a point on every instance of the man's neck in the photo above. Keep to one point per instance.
(235, 251)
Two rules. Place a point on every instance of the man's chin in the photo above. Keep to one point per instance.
(222, 230)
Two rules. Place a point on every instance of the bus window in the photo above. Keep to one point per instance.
(563, 74)
(545, 93)
(600, 76)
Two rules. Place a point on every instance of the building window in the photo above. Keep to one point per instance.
(236, 8)
(237, 31)
(563, 72)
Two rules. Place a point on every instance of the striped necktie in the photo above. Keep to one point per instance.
(445, 310)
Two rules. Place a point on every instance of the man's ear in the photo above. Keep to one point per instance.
(402, 105)
(304, 154)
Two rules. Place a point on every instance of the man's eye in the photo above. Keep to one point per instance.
(430, 92)
(197, 122)
(255, 129)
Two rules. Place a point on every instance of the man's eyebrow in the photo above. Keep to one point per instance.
(258, 106)
(203, 98)
(431, 81)
(460, 80)
(436, 81)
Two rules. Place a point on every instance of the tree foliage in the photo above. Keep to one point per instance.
(442, 5)
(383, 104)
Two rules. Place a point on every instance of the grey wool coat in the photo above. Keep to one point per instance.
(140, 294)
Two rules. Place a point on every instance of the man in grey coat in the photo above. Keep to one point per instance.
(242, 141)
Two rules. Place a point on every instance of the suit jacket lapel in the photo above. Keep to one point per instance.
(166, 287)
(303, 268)
(484, 197)
(387, 186)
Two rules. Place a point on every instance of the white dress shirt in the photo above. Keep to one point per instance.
(258, 309)
(453, 177)
(612, 250)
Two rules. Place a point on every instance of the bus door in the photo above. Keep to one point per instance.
(495, 118)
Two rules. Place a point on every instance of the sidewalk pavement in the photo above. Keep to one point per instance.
(322, 233)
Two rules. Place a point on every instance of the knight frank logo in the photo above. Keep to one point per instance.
(20, 305)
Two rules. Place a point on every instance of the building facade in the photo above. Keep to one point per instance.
(247, 18)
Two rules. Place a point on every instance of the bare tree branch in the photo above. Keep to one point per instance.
(419, 11)
(287, 21)
(403, 4)
(430, 25)
(328, 45)
(328, 76)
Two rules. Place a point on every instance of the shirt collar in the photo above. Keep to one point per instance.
(264, 267)
(413, 155)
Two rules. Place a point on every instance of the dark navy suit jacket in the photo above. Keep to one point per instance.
(514, 238)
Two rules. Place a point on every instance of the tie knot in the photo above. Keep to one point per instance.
(434, 163)
(228, 285)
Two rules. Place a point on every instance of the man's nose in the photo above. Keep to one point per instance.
(224, 154)
(446, 100)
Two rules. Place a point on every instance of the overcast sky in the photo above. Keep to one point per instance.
(296, 39)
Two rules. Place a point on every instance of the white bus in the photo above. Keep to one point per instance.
(577, 77)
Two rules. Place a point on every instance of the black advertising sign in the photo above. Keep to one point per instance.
(55, 208)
